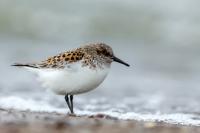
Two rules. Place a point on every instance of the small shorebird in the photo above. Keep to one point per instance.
(76, 71)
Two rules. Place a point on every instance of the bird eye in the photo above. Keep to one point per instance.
(107, 54)
(103, 52)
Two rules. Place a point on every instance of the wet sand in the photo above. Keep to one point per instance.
(13, 121)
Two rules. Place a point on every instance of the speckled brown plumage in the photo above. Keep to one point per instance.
(62, 59)
(92, 55)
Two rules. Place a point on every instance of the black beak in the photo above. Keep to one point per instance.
(120, 61)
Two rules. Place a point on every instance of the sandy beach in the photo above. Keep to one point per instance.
(13, 121)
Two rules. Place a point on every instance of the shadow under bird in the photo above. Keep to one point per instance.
(76, 71)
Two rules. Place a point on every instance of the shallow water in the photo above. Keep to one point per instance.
(161, 45)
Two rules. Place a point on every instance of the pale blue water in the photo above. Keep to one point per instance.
(161, 43)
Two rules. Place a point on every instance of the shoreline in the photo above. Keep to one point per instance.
(40, 122)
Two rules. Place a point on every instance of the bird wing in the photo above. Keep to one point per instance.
(58, 61)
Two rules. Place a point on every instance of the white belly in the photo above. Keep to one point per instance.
(72, 80)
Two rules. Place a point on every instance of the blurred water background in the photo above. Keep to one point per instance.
(160, 39)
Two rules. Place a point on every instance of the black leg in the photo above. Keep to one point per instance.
(68, 103)
(72, 105)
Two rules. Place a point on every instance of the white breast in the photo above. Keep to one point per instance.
(74, 79)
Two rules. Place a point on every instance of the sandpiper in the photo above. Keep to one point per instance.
(76, 71)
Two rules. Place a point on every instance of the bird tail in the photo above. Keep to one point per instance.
(24, 65)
